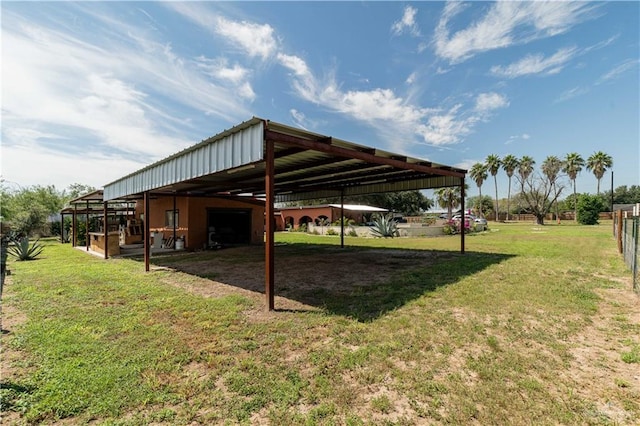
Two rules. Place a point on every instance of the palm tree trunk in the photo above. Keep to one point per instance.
(555, 192)
(575, 203)
(495, 181)
(508, 198)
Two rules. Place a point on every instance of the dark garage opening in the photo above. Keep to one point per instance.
(229, 226)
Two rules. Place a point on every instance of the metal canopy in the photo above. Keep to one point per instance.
(261, 158)
(307, 165)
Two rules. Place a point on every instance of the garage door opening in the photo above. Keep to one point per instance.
(229, 227)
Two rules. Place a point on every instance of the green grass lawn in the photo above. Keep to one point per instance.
(482, 338)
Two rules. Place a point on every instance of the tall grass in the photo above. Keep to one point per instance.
(482, 338)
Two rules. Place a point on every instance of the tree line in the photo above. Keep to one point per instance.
(34, 210)
(539, 191)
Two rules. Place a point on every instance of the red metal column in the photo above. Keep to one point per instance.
(74, 227)
(87, 227)
(106, 231)
(269, 241)
(174, 221)
(146, 232)
(61, 228)
(342, 218)
(462, 223)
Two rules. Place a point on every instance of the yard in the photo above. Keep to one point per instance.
(532, 325)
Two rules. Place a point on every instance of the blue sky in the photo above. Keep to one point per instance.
(92, 91)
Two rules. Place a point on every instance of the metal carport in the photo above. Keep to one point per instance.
(266, 159)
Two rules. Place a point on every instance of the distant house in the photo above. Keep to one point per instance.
(294, 217)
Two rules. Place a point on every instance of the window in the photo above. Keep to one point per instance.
(168, 218)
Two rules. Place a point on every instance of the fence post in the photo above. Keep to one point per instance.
(636, 231)
(4, 245)
(619, 237)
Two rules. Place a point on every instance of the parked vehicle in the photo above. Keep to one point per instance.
(471, 217)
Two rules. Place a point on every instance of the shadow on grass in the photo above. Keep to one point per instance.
(358, 282)
(13, 395)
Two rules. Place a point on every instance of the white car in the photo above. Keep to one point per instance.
(471, 217)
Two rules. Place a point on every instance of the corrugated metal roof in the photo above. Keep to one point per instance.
(307, 165)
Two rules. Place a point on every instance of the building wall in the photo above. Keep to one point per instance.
(300, 215)
(296, 215)
(198, 218)
(192, 218)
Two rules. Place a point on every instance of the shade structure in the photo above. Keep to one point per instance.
(272, 161)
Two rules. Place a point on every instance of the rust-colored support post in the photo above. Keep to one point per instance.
(342, 218)
(462, 223)
(619, 238)
(269, 264)
(106, 230)
(174, 221)
(147, 248)
(87, 227)
(74, 226)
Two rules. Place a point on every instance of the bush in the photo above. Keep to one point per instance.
(453, 227)
(331, 231)
(588, 209)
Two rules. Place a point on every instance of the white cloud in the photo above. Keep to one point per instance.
(618, 70)
(68, 166)
(536, 64)
(294, 63)
(444, 129)
(298, 118)
(407, 22)
(220, 70)
(487, 102)
(571, 93)
(254, 39)
(131, 104)
(506, 23)
(524, 136)
(412, 78)
(395, 118)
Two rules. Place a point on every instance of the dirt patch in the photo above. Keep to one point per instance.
(10, 320)
(601, 376)
(305, 279)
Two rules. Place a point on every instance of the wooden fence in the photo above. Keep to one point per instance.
(626, 231)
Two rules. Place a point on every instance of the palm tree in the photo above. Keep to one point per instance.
(598, 163)
(551, 167)
(479, 174)
(573, 164)
(525, 167)
(448, 198)
(493, 163)
(509, 164)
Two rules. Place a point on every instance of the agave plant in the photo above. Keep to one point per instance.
(384, 226)
(22, 250)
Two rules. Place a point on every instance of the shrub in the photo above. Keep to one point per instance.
(453, 227)
(588, 209)
(331, 231)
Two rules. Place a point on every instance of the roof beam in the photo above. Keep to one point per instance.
(358, 155)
